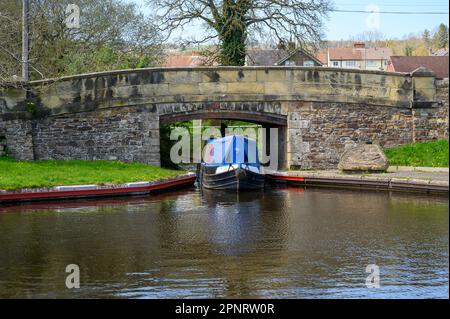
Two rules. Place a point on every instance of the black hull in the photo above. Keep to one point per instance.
(239, 179)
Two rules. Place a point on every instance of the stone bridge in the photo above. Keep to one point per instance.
(319, 111)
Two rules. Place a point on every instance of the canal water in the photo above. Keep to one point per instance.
(280, 243)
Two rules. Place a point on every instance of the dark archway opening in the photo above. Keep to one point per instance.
(230, 121)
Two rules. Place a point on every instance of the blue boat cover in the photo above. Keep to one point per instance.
(231, 149)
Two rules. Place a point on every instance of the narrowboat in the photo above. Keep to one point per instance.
(231, 163)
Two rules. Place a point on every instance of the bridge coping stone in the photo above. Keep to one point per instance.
(215, 68)
(100, 90)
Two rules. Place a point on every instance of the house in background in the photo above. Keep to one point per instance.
(323, 58)
(437, 64)
(282, 57)
(179, 60)
(359, 57)
(441, 52)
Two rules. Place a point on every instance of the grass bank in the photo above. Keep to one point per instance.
(429, 154)
(18, 174)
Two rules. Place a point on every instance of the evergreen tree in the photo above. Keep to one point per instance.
(441, 37)
(426, 38)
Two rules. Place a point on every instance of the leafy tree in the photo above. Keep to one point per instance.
(407, 50)
(113, 35)
(10, 40)
(420, 51)
(230, 22)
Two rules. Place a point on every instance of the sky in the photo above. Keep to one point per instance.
(345, 25)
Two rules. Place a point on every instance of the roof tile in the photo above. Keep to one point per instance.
(437, 64)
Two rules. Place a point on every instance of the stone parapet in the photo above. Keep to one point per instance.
(205, 84)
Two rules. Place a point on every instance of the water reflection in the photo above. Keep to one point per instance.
(276, 243)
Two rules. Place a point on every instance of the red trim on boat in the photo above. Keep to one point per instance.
(181, 181)
(287, 178)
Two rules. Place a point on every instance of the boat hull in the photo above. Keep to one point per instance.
(237, 179)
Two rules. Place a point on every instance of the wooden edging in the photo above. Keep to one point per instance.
(363, 183)
(100, 191)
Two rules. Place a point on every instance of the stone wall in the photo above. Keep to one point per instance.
(432, 123)
(3, 148)
(19, 140)
(324, 130)
(319, 133)
(442, 94)
(125, 134)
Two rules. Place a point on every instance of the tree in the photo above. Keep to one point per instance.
(408, 50)
(112, 35)
(10, 40)
(230, 22)
(441, 37)
(371, 38)
(426, 38)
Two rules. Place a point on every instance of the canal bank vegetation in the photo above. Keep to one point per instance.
(425, 154)
(19, 174)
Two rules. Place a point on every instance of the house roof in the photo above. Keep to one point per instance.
(437, 64)
(299, 51)
(344, 54)
(322, 57)
(441, 52)
(378, 53)
(359, 54)
(183, 60)
(264, 57)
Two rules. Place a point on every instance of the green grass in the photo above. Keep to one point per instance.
(429, 154)
(19, 174)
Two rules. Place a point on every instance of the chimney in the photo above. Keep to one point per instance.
(281, 45)
(359, 45)
(291, 45)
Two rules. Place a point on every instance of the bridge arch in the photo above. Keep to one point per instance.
(249, 112)
(263, 113)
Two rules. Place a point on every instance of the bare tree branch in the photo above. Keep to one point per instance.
(300, 20)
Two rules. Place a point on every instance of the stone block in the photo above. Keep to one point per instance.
(270, 75)
(184, 88)
(153, 89)
(184, 77)
(276, 88)
(227, 76)
(364, 158)
(213, 88)
(295, 121)
(245, 88)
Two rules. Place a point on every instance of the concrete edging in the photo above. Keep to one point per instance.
(418, 169)
(363, 182)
